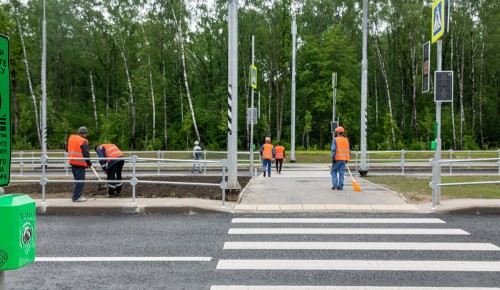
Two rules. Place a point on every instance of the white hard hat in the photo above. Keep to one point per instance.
(196, 142)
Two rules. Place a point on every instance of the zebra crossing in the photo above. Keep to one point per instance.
(294, 238)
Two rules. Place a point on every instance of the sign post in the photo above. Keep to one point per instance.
(253, 118)
(5, 134)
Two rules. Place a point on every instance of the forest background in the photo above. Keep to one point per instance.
(152, 75)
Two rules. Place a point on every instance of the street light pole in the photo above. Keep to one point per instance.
(44, 86)
(292, 137)
(232, 121)
(251, 114)
(363, 171)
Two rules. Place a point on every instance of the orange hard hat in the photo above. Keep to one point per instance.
(340, 129)
(268, 139)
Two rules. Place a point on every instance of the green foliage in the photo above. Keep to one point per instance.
(105, 38)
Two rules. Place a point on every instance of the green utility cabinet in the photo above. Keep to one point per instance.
(17, 231)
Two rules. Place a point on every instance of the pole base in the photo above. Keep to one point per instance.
(233, 186)
(363, 173)
(293, 160)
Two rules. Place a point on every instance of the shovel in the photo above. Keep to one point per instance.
(100, 186)
(354, 183)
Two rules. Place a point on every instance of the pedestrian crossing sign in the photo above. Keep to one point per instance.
(438, 17)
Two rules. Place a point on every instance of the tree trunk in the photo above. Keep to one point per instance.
(131, 95)
(164, 73)
(454, 130)
(37, 120)
(184, 71)
(93, 99)
(461, 88)
(386, 82)
(153, 107)
(473, 81)
(414, 69)
(481, 75)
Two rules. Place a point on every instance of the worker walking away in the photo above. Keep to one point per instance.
(112, 166)
(197, 156)
(280, 157)
(268, 154)
(341, 154)
(79, 159)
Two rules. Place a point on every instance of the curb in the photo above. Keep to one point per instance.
(118, 210)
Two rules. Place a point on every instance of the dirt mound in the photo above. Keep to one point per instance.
(155, 190)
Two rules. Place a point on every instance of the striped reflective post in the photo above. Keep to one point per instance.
(232, 110)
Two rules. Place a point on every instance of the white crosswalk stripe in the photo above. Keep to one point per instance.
(344, 231)
(359, 246)
(295, 230)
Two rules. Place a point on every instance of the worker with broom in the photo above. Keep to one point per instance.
(341, 154)
(112, 166)
(79, 159)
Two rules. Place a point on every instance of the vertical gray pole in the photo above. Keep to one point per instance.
(232, 136)
(363, 171)
(251, 118)
(292, 137)
(436, 191)
(259, 104)
(44, 80)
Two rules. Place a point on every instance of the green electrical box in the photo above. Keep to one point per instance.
(433, 145)
(17, 231)
(253, 146)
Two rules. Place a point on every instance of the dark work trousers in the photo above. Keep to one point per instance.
(115, 173)
(78, 174)
(279, 164)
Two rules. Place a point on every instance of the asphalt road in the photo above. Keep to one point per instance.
(199, 252)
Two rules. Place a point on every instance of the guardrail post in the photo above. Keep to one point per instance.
(43, 179)
(498, 162)
(22, 163)
(159, 157)
(133, 180)
(205, 163)
(451, 164)
(66, 166)
(32, 160)
(223, 184)
(403, 162)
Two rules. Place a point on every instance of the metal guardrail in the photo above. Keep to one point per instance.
(404, 162)
(58, 160)
(435, 186)
(134, 160)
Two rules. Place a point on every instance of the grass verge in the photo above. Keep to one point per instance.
(416, 188)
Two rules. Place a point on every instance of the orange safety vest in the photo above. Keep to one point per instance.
(280, 152)
(112, 151)
(75, 150)
(267, 153)
(342, 152)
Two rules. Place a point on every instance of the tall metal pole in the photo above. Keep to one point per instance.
(232, 111)
(363, 171)
(44, 86)
(292, 137)
(251, 117)
(436, 191)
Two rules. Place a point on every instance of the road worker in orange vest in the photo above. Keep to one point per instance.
(79, 159)
(112, 166)
(280, 156)
(341, 154)
(268, 154)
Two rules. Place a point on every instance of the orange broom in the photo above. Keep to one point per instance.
(354, 183)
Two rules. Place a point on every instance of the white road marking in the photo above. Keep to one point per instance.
(360, 265)
(123, 259)
(359, 246)
(344, 231)
(245, 287)
(338, 220)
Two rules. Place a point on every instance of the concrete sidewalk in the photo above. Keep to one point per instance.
(299, 188)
